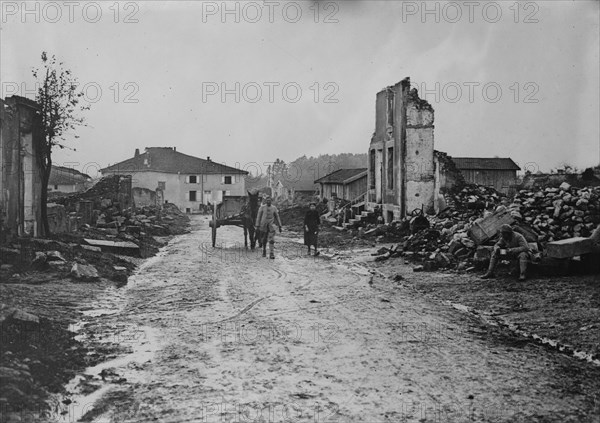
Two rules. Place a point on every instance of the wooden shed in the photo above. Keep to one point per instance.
(347, 184)
(499, 173)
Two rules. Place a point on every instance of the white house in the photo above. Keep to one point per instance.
(185, 181)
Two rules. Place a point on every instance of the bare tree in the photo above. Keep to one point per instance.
(60, 101)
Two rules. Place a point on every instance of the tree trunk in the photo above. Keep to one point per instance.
(45, 178)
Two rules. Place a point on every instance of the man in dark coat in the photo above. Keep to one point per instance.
(311, 228)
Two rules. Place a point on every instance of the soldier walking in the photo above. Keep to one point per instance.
(267, 218)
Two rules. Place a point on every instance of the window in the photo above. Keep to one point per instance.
(55, 186)
(193, 179)
(390, 168)
(227, 180)
(372, 169)
(192, 196)
(188, 210)
(162, 185)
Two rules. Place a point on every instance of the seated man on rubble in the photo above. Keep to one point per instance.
(510, 245)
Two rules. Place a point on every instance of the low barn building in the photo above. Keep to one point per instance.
(65, 179)
(498, 173)
(183, 180)
(347, 184)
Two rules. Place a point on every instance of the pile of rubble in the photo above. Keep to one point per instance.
(558, 213)
(455, 238)
(448, 232)
(107, 208)
(469, 200)
(292, 217)
(151, 220)
(98, 223)
(444, 240)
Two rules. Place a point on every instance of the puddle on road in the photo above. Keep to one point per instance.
(109, 326)
(109, 375)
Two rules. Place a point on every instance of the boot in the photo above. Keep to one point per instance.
(523, 269)
(490, 272)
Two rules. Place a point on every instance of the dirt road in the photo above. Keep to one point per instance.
(224, 335)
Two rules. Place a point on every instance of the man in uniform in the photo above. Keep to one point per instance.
(510, 245)
(267, 218)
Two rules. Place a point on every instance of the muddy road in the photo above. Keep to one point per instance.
(225, 335)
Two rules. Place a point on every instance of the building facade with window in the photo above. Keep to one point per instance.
(184, 180)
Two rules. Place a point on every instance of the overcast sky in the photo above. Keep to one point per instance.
(503, 80)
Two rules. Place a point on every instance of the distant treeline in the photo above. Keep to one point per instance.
(327, 163)
(308, 169)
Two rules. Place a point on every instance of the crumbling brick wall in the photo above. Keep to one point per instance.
(115, 189)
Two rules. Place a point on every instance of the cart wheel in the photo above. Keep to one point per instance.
(214, 233)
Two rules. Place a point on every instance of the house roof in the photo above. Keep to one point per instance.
(168, 160)
(485, 163)
(60, 175)
(342, 176)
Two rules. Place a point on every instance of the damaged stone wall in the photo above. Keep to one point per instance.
(419, 183)
(146, 197)
(20, 176)
(401, 174)
(59, 221)
(115, 190)
(447, 177)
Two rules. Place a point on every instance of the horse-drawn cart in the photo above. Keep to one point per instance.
(235, 211)
(229, 212)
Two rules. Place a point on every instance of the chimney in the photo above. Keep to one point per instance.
(137, 152)
(174, 148)
(208, 158)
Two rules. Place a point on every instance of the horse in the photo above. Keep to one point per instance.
(249, 213)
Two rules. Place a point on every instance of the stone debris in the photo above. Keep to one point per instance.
(559, 213)
(461, 236)
(100, 220)
(84, 272)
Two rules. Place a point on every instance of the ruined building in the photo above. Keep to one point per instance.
(401, 176)
(20, 176)
(405, 172)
